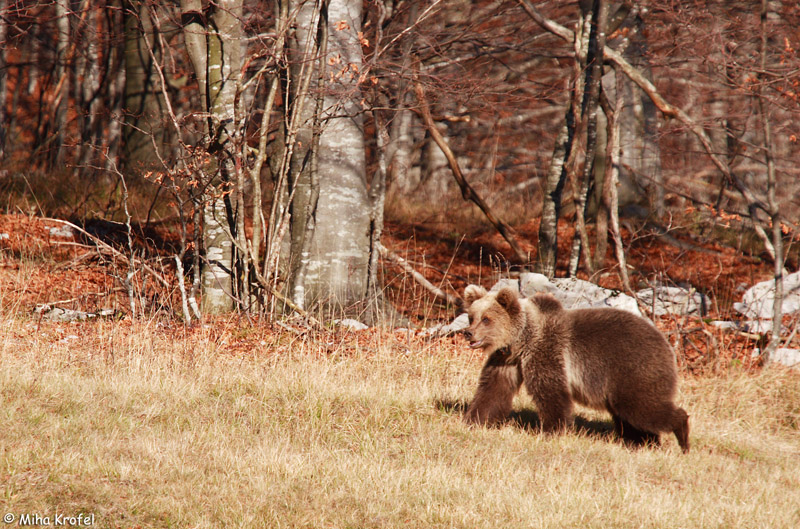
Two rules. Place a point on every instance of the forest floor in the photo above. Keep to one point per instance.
(41, 264)
(233, 422)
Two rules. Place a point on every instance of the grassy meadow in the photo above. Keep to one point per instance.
(147, 425)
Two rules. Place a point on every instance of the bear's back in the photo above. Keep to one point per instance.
(609, 349)
(612, 332)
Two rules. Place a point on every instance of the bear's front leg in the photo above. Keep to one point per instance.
(553, 402)
(499, 382)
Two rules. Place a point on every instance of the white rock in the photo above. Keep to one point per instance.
(505, 282)
(787, 357)
(353, 325)
(458, 324)
(51, 313)
(576, 293)
(65, 315)
(532, 283)
(757, 302)
(783, 356)
(672, 300)
(61, 231)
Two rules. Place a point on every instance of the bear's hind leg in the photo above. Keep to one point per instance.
(498, 383)
(655, 417)
(632, 436)
(681, 428)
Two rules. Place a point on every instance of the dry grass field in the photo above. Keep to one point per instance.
(146, 425)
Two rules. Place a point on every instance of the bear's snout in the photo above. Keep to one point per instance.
(474, 343)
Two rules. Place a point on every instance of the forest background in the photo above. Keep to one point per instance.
(273, 143)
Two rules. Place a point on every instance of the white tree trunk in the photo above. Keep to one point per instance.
(334, 262)
(215, 50)
(62, 78)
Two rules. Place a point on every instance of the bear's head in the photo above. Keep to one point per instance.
(495, 318)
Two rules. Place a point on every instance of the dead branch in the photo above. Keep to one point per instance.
(467, 192)
(418, 277)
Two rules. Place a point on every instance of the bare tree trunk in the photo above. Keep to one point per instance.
(3, 77)
(306, 168)
(114, 101)
(640, 162)
(194, 35)
(611, 178)
(551, 205)
(564, 155)
(62, 89)
(331, 222)
(214, 43)
(341, 244)
(772, 202)
(143, 134)
(224, 69)
(402, 143)
(90, 98)
(33, 70)
(599, 14)
(305, 100)
(377, 198)
(601, 179)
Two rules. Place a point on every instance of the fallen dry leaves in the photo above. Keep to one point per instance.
(37, 267)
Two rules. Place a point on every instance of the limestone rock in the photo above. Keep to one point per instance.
(664, 299)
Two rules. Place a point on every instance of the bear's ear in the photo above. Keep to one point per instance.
(547, 303)
(509, 300)
(473, 293)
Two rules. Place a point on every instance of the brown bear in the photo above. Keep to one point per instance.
(604, 358)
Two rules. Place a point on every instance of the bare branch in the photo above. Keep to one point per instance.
(466, 190)
(418, 277)
(668, 110)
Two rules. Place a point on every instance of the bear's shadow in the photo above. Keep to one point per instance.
(528, 420)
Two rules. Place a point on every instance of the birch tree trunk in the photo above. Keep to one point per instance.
(599, 14)
(551, 206)
(305, 100)
(611, 178)
(214, 46)
(115, 88)
(89, 97)
(564, 154)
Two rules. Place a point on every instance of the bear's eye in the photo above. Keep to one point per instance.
(485, 320)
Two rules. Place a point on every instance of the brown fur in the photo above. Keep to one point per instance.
(606, 359)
